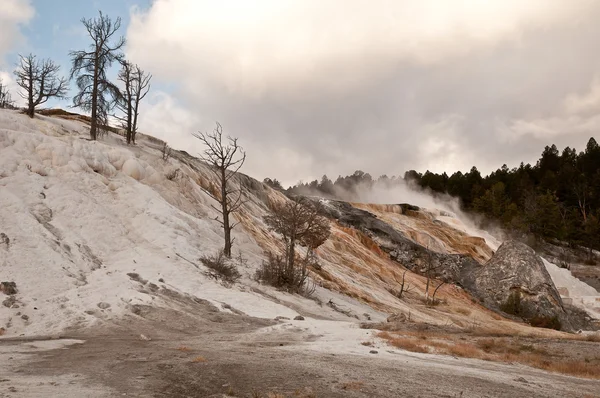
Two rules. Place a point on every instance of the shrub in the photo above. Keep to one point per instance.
(220, 266)
(276, 272)
(172, 174)
(512, 305)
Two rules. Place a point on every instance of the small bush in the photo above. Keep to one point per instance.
(276, 272)
(548, 322)
(512, 305)
(220, 266)
(172, 174)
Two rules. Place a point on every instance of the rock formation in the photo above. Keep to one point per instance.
(516, 281)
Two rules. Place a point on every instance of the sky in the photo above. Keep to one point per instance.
(313, 87)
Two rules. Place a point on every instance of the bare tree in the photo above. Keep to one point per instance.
(226, 159)
(404, 287)
(299, 223)
(141, 86)
(125, 98)
(435, 291)
(581, 190)
(429, 268)
(5, 97)
(97, 94)
(137, 85)
(40, 81)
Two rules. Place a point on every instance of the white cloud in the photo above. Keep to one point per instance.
(13, 13)
(281, 45)
(588, 103)
(313, 87)
(162, 117)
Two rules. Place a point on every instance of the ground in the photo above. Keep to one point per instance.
(163, 353)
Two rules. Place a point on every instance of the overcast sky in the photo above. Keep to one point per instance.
(331, 86)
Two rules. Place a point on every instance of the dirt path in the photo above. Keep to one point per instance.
(209, 355)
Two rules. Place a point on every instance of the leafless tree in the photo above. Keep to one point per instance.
(435, 291)
(429, 268)
(124, 104)
(5, 97)
(97, 94)
(226, 157)
(581, 190)
(299, 223)
(40, 81)
(404, 287)
(136, 85)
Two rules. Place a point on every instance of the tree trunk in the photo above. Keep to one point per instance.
(135, 117)
(292, 253)
(94, 123)
(225, 210)
(30, 93)
(129, 129)
(427, 285)
(227, 229)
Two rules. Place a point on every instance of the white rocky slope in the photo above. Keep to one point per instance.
(81, 215)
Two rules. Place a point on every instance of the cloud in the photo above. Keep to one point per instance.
(587, 103)
(13, 14)
(314, 87)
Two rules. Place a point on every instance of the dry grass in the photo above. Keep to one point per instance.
(499, 349)
(199, 359)
(184, 348)
(595, 338)
(405, 343)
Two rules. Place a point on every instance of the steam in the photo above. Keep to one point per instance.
(400, 191)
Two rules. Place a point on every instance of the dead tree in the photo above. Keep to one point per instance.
(404, 287)
(6, 101)
(429, 270)
(435, 291)
(39, 81)
(124, 104)
(141, 86)
(226, 158)
(581, 190)
(136, 85)
(97, 94)
(299, 223)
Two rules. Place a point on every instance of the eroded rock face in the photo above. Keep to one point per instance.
(515, 269)
(453, 268)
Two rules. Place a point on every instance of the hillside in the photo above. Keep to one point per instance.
(101, 236)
